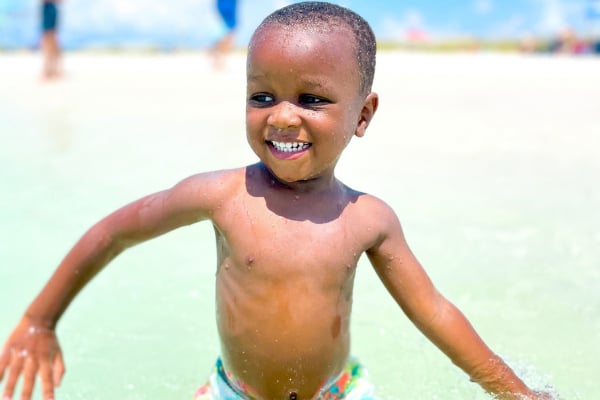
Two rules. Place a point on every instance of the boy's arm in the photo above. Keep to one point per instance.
(141, 220)
(32, 349)
(436, 317)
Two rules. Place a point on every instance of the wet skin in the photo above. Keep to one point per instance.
(284, 282)
(286, 269)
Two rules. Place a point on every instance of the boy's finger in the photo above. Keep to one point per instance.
(58, 369)
(4, 359)
(2, 369)
(29, 373)
(47, 381)
(14, 371)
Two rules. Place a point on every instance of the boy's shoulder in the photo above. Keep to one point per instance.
(376, 206)
(370, 205)
(217, 183)
(220, 176)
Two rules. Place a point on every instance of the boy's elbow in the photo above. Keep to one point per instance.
(434, 317)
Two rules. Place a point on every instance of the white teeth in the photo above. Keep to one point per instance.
(288, 147)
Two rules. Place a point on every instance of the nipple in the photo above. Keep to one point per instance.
(293, 396)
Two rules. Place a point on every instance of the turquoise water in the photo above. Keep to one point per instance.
(492, 164)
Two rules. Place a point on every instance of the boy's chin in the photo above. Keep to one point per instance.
(287, 177)
(290, 173)
(290, 179)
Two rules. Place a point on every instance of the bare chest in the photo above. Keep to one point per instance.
(276, 245)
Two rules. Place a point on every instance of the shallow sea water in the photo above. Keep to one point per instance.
(491, 161)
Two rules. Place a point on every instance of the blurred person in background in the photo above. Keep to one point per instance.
(228, 11)
(49, 44)
(567, 42)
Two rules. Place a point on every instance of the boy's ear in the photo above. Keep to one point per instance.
(366, 114)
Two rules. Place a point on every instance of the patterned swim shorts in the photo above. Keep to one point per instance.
(351, 384)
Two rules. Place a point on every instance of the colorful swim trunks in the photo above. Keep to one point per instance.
(351, 384)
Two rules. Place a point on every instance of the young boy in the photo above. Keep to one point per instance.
(288, 235)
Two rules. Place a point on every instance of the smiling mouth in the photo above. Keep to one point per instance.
(289, 147)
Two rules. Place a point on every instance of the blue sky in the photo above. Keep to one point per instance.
(194, 23)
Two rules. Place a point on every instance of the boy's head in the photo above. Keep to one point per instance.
(309, 72)
(324, 17)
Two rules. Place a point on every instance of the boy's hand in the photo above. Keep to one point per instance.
(544, 396)
(31, 350)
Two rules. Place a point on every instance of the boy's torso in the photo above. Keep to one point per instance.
(286, 265)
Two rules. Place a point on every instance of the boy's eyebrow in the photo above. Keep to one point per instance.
(306, 83)
(255, 77)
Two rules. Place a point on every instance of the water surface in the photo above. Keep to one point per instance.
(492, 163)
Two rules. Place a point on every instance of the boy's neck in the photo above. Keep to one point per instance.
(316, 200)
(317, 185)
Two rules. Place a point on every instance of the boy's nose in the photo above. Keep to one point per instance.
(284, 115)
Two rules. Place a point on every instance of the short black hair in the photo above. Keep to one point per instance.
(324, 16)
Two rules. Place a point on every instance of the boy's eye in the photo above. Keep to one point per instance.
(310, 99)
(261, 98)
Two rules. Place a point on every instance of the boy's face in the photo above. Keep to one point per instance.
(303, 100)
